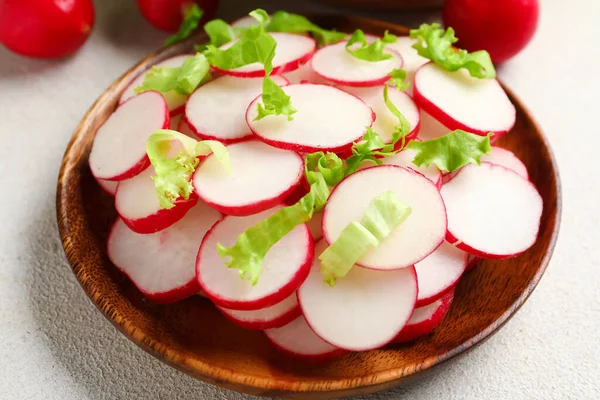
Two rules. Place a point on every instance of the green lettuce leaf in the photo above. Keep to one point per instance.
(367, 52)
(219, 32)
(251, 247)
(282, 21)
(384, 214)
(389, 38)
(274, 101)
(173, 175)
(184, 79)
(436, 44)
(192, 14)
(451, 151)
(398, 79)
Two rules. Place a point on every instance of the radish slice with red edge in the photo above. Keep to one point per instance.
(405, 157)
(416, 238)
(298, 340)
(430, 128)
(334, 63)
(119, 149)
(473, 261)
(184, 128)
(291, 52)
(314, 226)
(425, 319)
(274, 316)
(492, 211)
(365, 309)
(460, 101)
(161, 265)
(261, 177)
(439, 272)
(385, 121)
(284, 268)
(410, 56)
(109, 187)
(175, 101)
(217, 110)
(327, 119)
(507, 159)
(305, 74)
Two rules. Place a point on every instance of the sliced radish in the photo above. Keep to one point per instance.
(305, 74)
(261, 177)
(161, 265)
(492, 211)
(275, 316)
(284, 268)
(201, 293)
(298, 340)
(327, 118)
(137, 204)
(460, 101)
(473, 261)
(292, 51)
(119, 150)
(405, 158)
(175, 122)
(109, 187)
(314, 226)
(385, 121)
(184, 128)
(217, 110)
(418, 236)
(425, 319)
(431, 128)
(507, 159)
(365, 309)
(335, 64)
(175, 101)
(439, 272)
(412, 59)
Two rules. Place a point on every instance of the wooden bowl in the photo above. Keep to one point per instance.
(195, 338)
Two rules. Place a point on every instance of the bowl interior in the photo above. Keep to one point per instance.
(193, 336)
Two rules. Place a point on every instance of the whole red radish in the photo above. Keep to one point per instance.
(167, 15)
(45, 28)
(502, 27)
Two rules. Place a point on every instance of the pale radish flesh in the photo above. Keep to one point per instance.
(291, 52)
(217, 110)
(385, 122)
(261, 177)
(430, 128)
(492, 211)
(244, 22)
(425, 319)
(119, 149)
(161, 265)
(175, 101)
(327, 119)
(284, 267)
(305, 74)
(460, 101)
(405, 157)
(439, 272)
(109, 187)
(335, 64)
(412, 59)
(419, 235)
(507, 159)
(364, 310)
(297, 339)
(274, 316)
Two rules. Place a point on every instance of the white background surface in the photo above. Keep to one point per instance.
(54, 344)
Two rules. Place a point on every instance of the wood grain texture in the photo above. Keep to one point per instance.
(195, 338)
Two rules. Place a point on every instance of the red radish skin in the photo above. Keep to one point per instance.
(385, 121)
(439, 272)
(253, 185)
(175, 101)
(343, 316)
(342, 115)
(404, 159)
(167, 15)
(109, 187)
(284, 268)
(184, 127)
(298, 340)
(473, 262)
(425, 319)
(335, 64)
(460, 101)
(161, 265)
(119, 149)
(305, 74)
(291, 53)
(417, 237)
(45, 29)
(275, 316)
(492, 211)
(411, 58)
(217, 110)
(507, 159)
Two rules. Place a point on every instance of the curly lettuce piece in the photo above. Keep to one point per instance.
(367, 52)
(274, 101)
(184, 79)
(192, 14)
(282, 21)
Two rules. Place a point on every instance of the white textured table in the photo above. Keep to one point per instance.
(54, 344)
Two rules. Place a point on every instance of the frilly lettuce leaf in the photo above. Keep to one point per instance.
(184, 80)
(192, 14)
(274, 101)
(219, 32)
(367, 52)
(382, 216)
(398, 79)
(282, 21)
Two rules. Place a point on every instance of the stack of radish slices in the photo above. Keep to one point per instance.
(397, 291)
